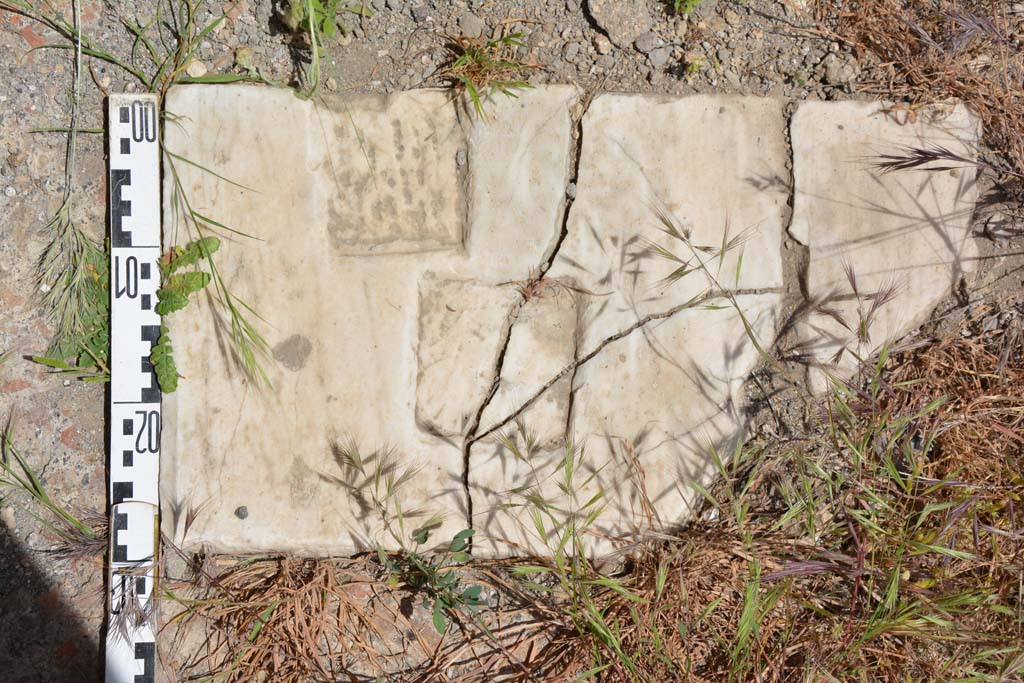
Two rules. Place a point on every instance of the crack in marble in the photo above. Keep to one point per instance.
(576, 147)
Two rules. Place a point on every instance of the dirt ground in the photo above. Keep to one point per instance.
(53, 608)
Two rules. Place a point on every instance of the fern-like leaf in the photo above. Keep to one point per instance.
(162, 357)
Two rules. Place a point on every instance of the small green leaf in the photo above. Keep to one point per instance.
(170, 301)
(162, 358)
(189, 254)
(461, 540)
(440, 622)
(261, 621)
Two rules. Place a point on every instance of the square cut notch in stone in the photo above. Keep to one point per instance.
(393, 172)
(460, 336)
(541, 348)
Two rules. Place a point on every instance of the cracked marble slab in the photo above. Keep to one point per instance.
(395, 253)
(338, 278)
(648, 410)
(714, 165)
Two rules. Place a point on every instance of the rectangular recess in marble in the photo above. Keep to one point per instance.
(542, 344)
(394, 172)
(460, 335)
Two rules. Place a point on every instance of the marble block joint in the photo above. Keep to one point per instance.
(419, 370)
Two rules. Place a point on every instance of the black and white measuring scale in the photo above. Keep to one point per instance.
(134, 418)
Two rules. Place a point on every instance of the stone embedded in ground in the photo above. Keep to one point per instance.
(342, 314)
(461, 324)
(390, 331)
(519, 169)
(904, 233)
(646, 411)
(393, 181)
(715, 165)
(624, 22)
(541, 345)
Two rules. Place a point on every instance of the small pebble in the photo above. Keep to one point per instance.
(602, 44)
(241, 512)
(420, 14)
(570, 190)
(196, 69)
(10, 191)
(471, 25)
(647, 42)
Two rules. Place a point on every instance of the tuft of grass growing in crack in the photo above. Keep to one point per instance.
(484, 68)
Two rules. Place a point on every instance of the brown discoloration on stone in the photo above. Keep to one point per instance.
(302, 483)
(14, 386)
(69, 437)
(398, 188)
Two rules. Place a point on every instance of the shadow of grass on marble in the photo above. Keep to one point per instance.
(961, 49)
(885, 543)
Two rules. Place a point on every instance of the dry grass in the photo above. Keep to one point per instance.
(483, 68)
(888, 546)
(932, 50)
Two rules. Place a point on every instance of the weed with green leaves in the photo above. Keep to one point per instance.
(685, 7)
(73, 269)
(435, 576)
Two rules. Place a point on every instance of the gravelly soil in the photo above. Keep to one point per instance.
(53, 608)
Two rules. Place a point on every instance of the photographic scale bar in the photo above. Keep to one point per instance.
(134, 184)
